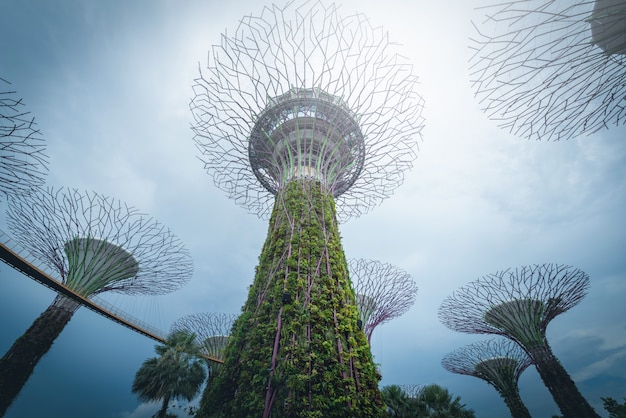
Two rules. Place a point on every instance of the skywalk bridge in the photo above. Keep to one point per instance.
(18, 260)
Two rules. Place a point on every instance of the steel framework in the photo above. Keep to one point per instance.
(23, 164)
(552, 69)
(383, 292)
(211, 330)
(308, 94)
(97, 245)
(311, 118)
(519, 304)
(499, 362)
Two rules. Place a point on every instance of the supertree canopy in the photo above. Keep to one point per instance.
(211, 330)
(301, 92)
(500, 362)
(96, 244)
(552, 69)
(317, 115)
(519, 304)
(383, 292)
(23, 164)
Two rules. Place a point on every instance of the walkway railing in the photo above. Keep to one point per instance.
(20, 259)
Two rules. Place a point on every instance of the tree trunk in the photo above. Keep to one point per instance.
(296, 350)
(18, 363)
(164, 406)
(516, 406)
(563, 389)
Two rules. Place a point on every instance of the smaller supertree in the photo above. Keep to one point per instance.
(499, 362)
(96, 244)
(383, 292)
(23, 164)
(552, 69)
(212, 331)
(519, 304)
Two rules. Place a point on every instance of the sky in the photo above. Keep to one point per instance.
(110, 84)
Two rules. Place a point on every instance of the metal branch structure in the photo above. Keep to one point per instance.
(23, 164)
(412, 390)
(212, 331)
(552, 69)
(311, 118)
(96, 244)
(301, 92)
(500, 362)
(383, 292)
(519, 304)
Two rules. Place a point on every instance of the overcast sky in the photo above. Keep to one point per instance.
(110, 83)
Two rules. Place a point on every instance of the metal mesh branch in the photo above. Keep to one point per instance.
(98, 244)
(490, 360)
(23, 164)
(552, 69)
(383, 292)
(518, 303)
(499, 362)
(412, 390)
(211, 329)
(300, 91)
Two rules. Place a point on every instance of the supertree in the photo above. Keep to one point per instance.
(552, 69)
(212, 331)
(317, 115)
(383, 292)
(23, 164)
(96, 244)
(500, 362)
(519, 304)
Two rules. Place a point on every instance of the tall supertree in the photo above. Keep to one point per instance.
(552, 69)
(500, 362)
(212, 331)
(519, 304)
(96, 244)
(317, 115)
(383, 292)
(23, 164)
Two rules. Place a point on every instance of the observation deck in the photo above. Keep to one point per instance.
(608, 26)
(307, 133)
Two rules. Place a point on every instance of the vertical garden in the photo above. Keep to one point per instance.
(297, 350)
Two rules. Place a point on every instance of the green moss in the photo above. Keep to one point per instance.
(322, 365)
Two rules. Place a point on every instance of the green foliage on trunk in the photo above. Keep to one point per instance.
(19, 362)
(296, 349)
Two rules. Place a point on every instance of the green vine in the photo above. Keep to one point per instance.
(296, 350)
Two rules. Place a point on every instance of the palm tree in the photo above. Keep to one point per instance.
(178, 372)
(397, 402)
(439, 403)
(431, 401)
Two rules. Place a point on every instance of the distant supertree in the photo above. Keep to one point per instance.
(552, 69)
(383, 292)
(23, 164)
(96, 244)
(212, 331)
(500, 362)
(302, 108)
(519, 304)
